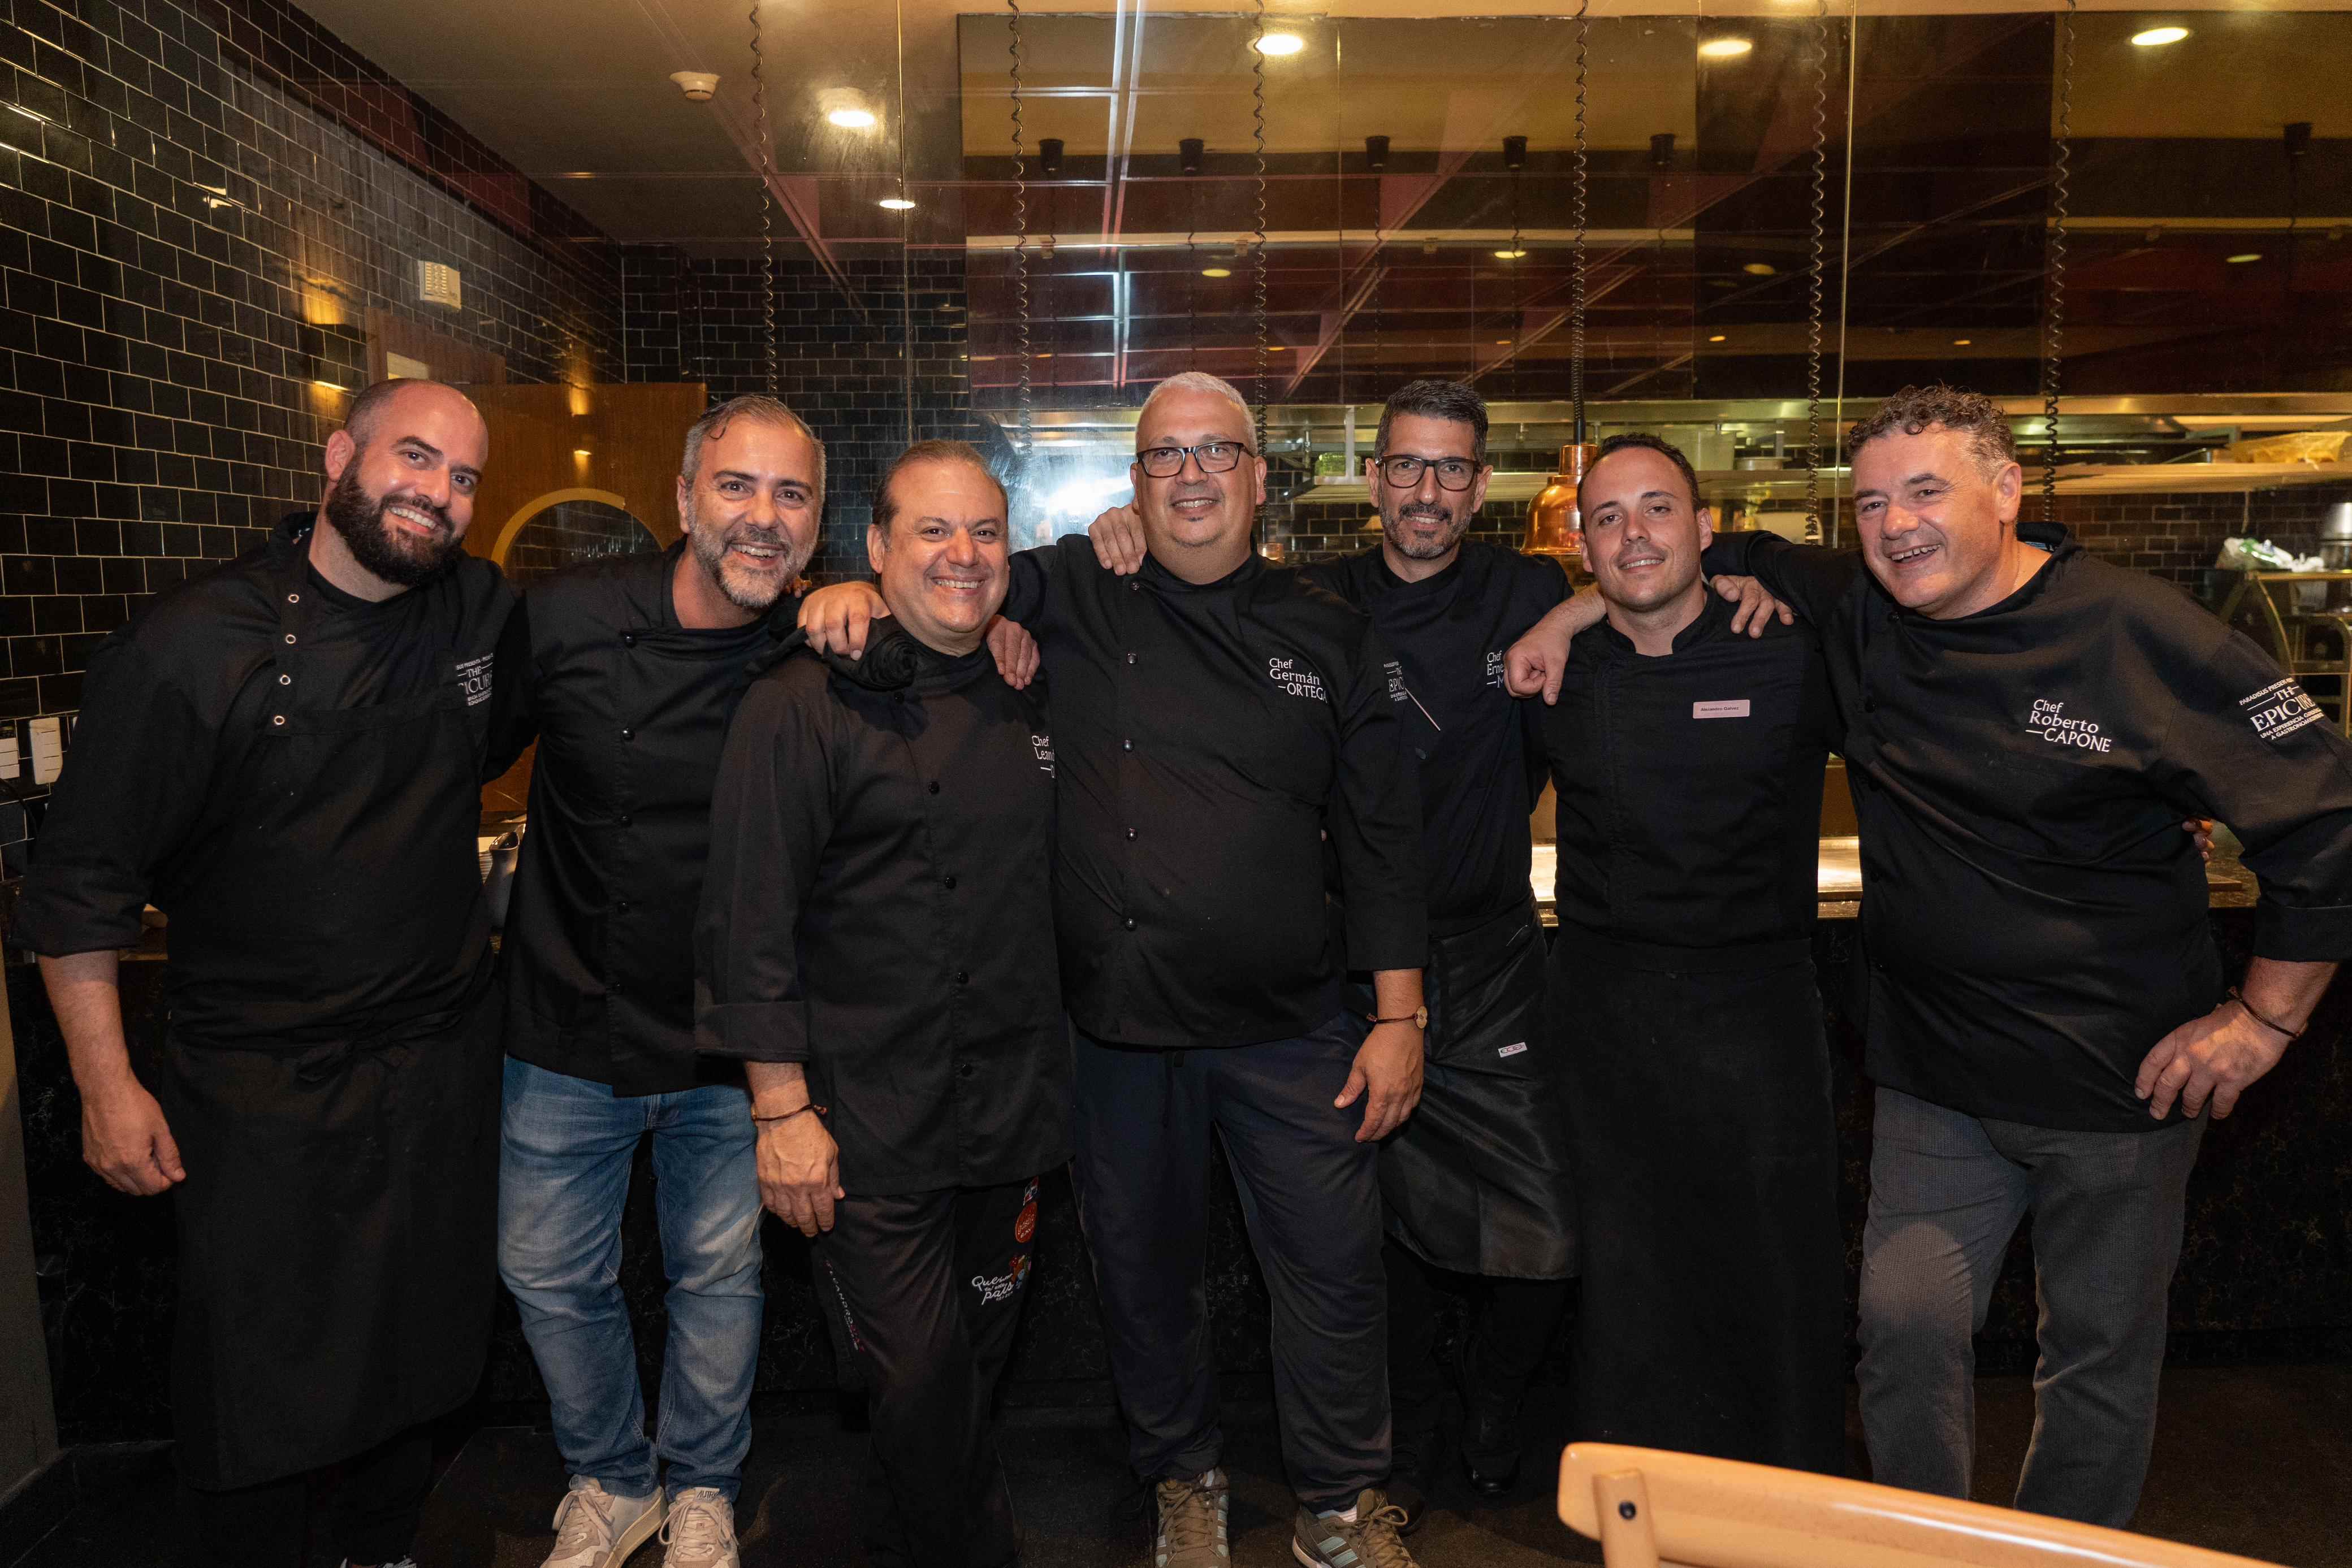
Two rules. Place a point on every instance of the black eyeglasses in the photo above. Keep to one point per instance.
(1214, 457)
(1404, 472)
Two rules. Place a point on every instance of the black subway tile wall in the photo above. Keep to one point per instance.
(843, 360)
(200, 202)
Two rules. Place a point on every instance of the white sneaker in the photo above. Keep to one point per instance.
(596, 1529)
(701, 1531)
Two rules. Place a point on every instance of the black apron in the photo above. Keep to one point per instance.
(337, 1224)
(1712, 1317)
(1477, 1179)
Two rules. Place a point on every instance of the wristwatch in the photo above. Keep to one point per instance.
(1418, 1018)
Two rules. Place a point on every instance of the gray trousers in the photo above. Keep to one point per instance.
(1946, 1191)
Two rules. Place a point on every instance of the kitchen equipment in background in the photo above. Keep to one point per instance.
(498, 860)
(1552, 523)
(2335, 537)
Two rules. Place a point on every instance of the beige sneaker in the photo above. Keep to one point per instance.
(597, 1529)
(1192, 1522)
(701, 1531)
(1368, 1540)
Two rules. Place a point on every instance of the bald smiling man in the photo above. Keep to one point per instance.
(284, 755)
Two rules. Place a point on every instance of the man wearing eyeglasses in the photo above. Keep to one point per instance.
(1477, 1189)
(1217, 719)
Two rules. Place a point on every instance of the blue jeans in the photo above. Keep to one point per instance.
(564, 1175)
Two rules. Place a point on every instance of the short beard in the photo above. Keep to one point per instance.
(1394, 528)
(358, 518)
(742, 589)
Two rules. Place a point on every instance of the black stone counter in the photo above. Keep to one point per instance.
(2266, 1271)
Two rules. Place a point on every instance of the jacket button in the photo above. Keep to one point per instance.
(1129, 922)
(963, 977)
(623, 818)
(628, 734)
(285, 680)
(1130, 835)
(1870, 705)
(1133, 586)
(620, 906)
(935, 786)
(947, 882)
(293, 599)
(1130, 658)
(1127, 746)
(628, 638)
(278, 718)
(965, 1070)
(614, 989)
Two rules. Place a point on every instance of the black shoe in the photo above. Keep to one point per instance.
(1490, 1452)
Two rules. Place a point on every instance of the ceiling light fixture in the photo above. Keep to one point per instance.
(852, 119)
(1280, 44)
(1508, 255)
(1726, 48)
(582, 453)
(1716, 338)
(2243, 258)
(895, 204)
(1216, 272)
(2156, 37)
(1962, 342)
(1761, 269)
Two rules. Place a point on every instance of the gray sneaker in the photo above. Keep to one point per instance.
(1192, 1522)
(597, 1529)
(1368, 1540)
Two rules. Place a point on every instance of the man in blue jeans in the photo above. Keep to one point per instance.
(626, 670)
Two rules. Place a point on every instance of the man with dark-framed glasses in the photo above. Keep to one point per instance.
(1476, 1192)
(1217, 719)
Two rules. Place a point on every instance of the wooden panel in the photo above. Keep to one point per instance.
(622, 441)
(445, 357)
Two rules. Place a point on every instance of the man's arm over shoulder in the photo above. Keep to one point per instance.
(770, 813)
(514, 693)
(1374, 818)
(1035, 572)
(1808, 578)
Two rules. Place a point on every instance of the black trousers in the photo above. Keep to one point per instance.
(930, 1287)
(1510, 1328)
(365, 1509)
(1310, 1194)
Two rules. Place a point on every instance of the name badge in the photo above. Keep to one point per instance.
(1720, 710)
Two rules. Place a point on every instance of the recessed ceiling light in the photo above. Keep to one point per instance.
(1508, 255)
(1716, 338)
(895, 205)
(1277, 348)
(1729, 49)
(1216, 272)
(1046, 356)
(2243, 257)
(1962, 342)
(851, 119)
(1761, 269)
(1502, 342)
(582, 452)
(2156, 37)
(1281, 44)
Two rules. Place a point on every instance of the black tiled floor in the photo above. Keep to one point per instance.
(2256, 1460)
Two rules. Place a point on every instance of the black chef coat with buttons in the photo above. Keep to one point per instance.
(630, 710)
(167, 758)
(1211, 736)
(1690, 785)
(2034, 914)
(1479, 776)
(879, 906)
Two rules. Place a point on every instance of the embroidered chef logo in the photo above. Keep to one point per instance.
(1025, 1224)
(997, 1286)
(1297, 679)
(1398, 691)
(2279, 709)
(1494, 668)
(474, 676)
(1043, 747)
(2048, 720)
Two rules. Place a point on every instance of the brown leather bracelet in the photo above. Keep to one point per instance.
(2239, 996)
(812, 1105)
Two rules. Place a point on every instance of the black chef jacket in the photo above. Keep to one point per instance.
(1690, 785)
(1479, 776)
(168, 758)
(879, 906)
(1211, 735)
(630, 710)
(2036, 919)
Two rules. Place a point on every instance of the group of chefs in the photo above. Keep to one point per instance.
(874, 906)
